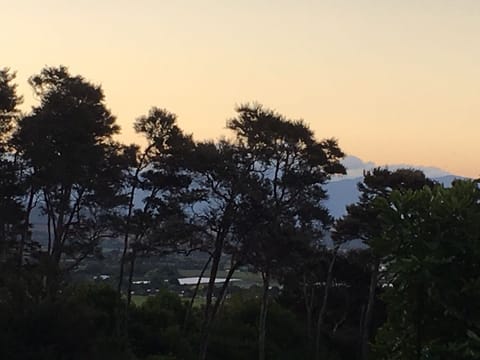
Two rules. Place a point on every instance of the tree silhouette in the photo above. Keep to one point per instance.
(159, 172)
(11, 190)
(291, 166)
(430, 244)
(220, 181)
(66, 142)
(361, 222)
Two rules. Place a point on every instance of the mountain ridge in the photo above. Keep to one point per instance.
(345, 192)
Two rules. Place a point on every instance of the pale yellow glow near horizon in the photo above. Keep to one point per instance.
(395, 81)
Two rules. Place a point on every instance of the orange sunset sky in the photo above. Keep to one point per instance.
(395, 81)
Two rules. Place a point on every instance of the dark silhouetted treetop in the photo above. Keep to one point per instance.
(76, 168)
(9, 101)
(67, 136)
(361, 219)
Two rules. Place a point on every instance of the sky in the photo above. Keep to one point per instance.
(395, 81)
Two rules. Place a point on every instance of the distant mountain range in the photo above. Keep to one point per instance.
(342, 190)
(355, 167)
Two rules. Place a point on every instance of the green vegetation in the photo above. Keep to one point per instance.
(139, 299)
(95, 235)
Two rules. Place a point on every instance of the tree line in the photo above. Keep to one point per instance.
(254, 200)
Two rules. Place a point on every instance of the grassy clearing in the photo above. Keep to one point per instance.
(139, 299)
(247, 279)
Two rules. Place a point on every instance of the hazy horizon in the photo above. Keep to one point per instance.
(393, 81)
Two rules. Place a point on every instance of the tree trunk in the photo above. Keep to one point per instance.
(215, 307)
(205, 333)
(345, 314)
(123, 259)
(122, 265)
(223, 291)
(26, 226)
(323, 309)
(61, 221)
(3, 243)
(369, 310)
(133, 189)
(420, 311)
(130, 280)
(262, 326)
(49, 231)
(195, 291)
(123, 318)
(308, 299)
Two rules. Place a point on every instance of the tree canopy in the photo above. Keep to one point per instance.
(94, 235)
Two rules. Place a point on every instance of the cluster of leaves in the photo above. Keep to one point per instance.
(432, 282)
(83, 323)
